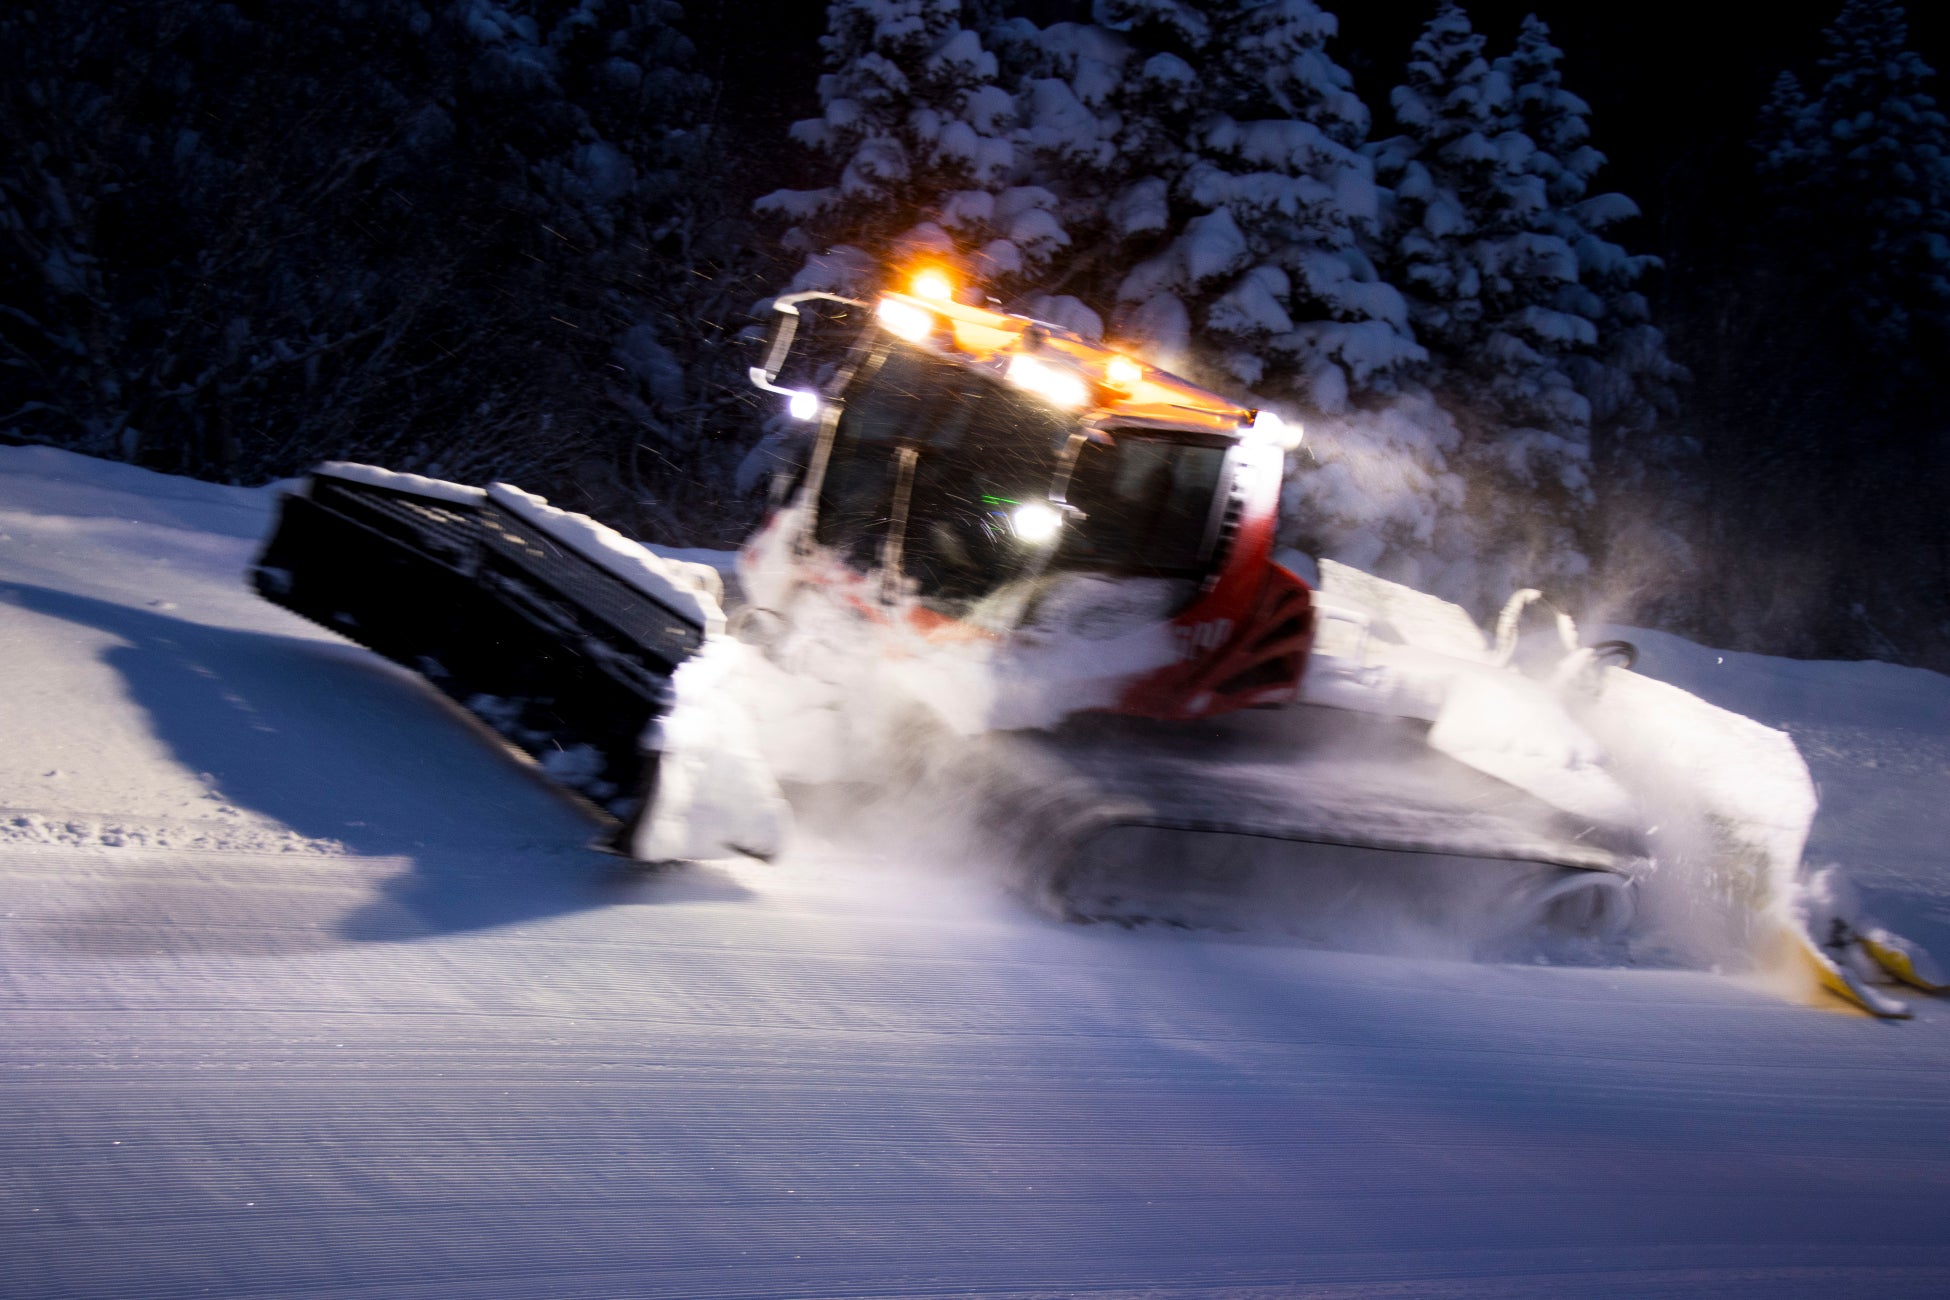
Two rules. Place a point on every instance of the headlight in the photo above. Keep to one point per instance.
(1055, 384)
(1123, 373)
(933, 282)
(1036, 522)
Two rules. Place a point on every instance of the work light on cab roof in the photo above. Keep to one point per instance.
(932, 282)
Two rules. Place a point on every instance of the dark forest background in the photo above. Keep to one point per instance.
(242, 238)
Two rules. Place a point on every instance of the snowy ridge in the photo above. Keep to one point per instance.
(20, 826)
(89, 493)
(466, 1057)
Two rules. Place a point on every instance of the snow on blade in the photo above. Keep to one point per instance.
(694, 590)
(716, 796)
(373, 476)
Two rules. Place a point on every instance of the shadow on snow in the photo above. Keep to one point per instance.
(345, 749)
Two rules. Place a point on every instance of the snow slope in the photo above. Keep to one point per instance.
(307, 987)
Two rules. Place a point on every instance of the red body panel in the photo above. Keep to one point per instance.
(1258, 663)
(1245, 640)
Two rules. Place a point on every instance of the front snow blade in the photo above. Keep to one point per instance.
(549, 647)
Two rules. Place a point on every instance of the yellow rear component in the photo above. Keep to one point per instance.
(1901, 959)
(1833, 978)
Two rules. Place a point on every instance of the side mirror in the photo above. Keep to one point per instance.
(785, 328)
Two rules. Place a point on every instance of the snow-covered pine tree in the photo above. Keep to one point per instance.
(1106, 110)
(922, 137)
(1471, 239)
(1836, 376)
(1437, 170)
(1787, 141)
(1862, 172)
(1262, 278)
(375, 229)
(1207, 156)
(1626, 375)
(1208, 166)
(598, 105)
(1551, 117)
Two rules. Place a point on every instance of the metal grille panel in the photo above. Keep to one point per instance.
(588, 588)
(445, 530)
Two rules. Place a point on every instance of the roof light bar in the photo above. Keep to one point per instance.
(912, 323)
(1053, 384)
(933, 282)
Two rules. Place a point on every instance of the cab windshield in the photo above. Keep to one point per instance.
(1146, 503)
(976, 449)
(930, 461)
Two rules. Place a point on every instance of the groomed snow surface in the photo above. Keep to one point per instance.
(308, 988)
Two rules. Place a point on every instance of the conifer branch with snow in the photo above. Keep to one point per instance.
(921, 137)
